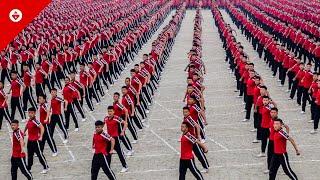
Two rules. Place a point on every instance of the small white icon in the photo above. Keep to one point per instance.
(15, 15)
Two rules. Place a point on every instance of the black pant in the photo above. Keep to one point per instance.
(305, 98)
(76, 103)
(16, 102)
(27, 96)
(200, 156)
(299, 94)
(5, 75)
(118, 149)
(317, 117)
(94, 94)
(294, 88)
(183, 167)
(265, 132)
(34, 147)
(21, 164)
(55, 80)
(100, 161)
(71, 111)
(126, 142)
(48, 136)
(40, 89)
(270, 152)
(88, 97)
(137, 121)
(58, 119)
(132, 129)
(4, 112)
(283, 75)
(249, 102)
(276, 161)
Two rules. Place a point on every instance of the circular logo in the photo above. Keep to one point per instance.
(15, 15)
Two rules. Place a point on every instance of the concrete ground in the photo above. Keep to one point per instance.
(232, 155)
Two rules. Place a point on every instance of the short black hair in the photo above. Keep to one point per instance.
(186, 107)
(265, 97)
(116, 93)
(278, 119)
(15, 121)
(124, 87)
(53, 89)
(264, 87)
(98, 123)
(110, 107)
(274, 109)
(187, 124)
(32, 109)
(132, 70)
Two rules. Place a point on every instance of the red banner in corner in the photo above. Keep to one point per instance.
(15, 15)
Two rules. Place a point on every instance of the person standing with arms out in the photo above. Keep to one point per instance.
(280, 156)
(68, 105)
(56, 115)
(35, 134)
(113, 124)
(45, 121)
(4, 111)
(27, 93)
(17, 88)
(18, 157)
(186, 157)
(101, 154)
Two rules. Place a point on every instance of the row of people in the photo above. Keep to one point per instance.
(269, 127)
(301, 80)
(194, 119)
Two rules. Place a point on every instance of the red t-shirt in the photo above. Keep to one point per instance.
(33, 129)
(99, 143)
(280, 142)
(192, 124)
(16, 86)
(250, 87)
(265, 113)
(56, 105)
(43, 113)
(3, 99)
(127, 102)
(187, 141)
(113, 125)
(119, 109)
(27, 78)
(194, 112)
(16, 147)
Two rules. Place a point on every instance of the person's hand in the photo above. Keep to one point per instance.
(65, 109)
(93, 151)
(111, 151)
(122, 134)
(40, 138)
(297, 152)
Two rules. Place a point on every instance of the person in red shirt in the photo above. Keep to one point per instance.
(69, 105)
(5, 64)
(4, 111)
(113, 124)
(306, 83)
(39, 77)
(317, 110)
(86, 81)
(45, 121)
(17, 88)
(78, 94)
(18, 157)
(35, 134)
(94, 83)
(265, 123)
(250, 93)
(186, 156)
(101, 152)
(198, 115)
(27, 93)
(56, 114)
(280, 156)
(194, 129)
(299, 74)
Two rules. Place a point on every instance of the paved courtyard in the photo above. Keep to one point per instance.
(232, 155)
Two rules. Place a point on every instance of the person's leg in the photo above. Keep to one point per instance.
(299, 94)
(23, 168)
(95, 167)
(270, 153)
(40, 155)
(264, 140)
(200, 156)
(22, 114)
(126, 142)
(30, 148)
(50, 139)
(62, 126)
(274, 166)
(183, 166)
(14, 104)
(74, 115)
(106, 168)
(284, 160)
(14, 168)
(194, 170)
(132, 129)
(119, 151)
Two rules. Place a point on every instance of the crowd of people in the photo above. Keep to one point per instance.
(270, 130)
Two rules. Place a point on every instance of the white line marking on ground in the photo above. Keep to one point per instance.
(217, 143)
(163, 140)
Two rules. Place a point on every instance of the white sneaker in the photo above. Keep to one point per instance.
(65, 141)
(245, 120)
(262, 155)
(311, 121)
(255, 141)
(90, 112)
(44, 171)
(314, 131)
(288, 90)
(24, 120)
(134, 142)
(280, 85)
(244, 104)
(129, 153)
(253, 130)
(147, 111)
(55, 154)
(302, 112)
(149, 104)
(266, 172)
(279, 80)
(204, 170)
(84, 119)
(239, 96)
(140, 130)
(143, 120)
(76, 129)
(290, 98)
(244, 110)
(123, 170)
